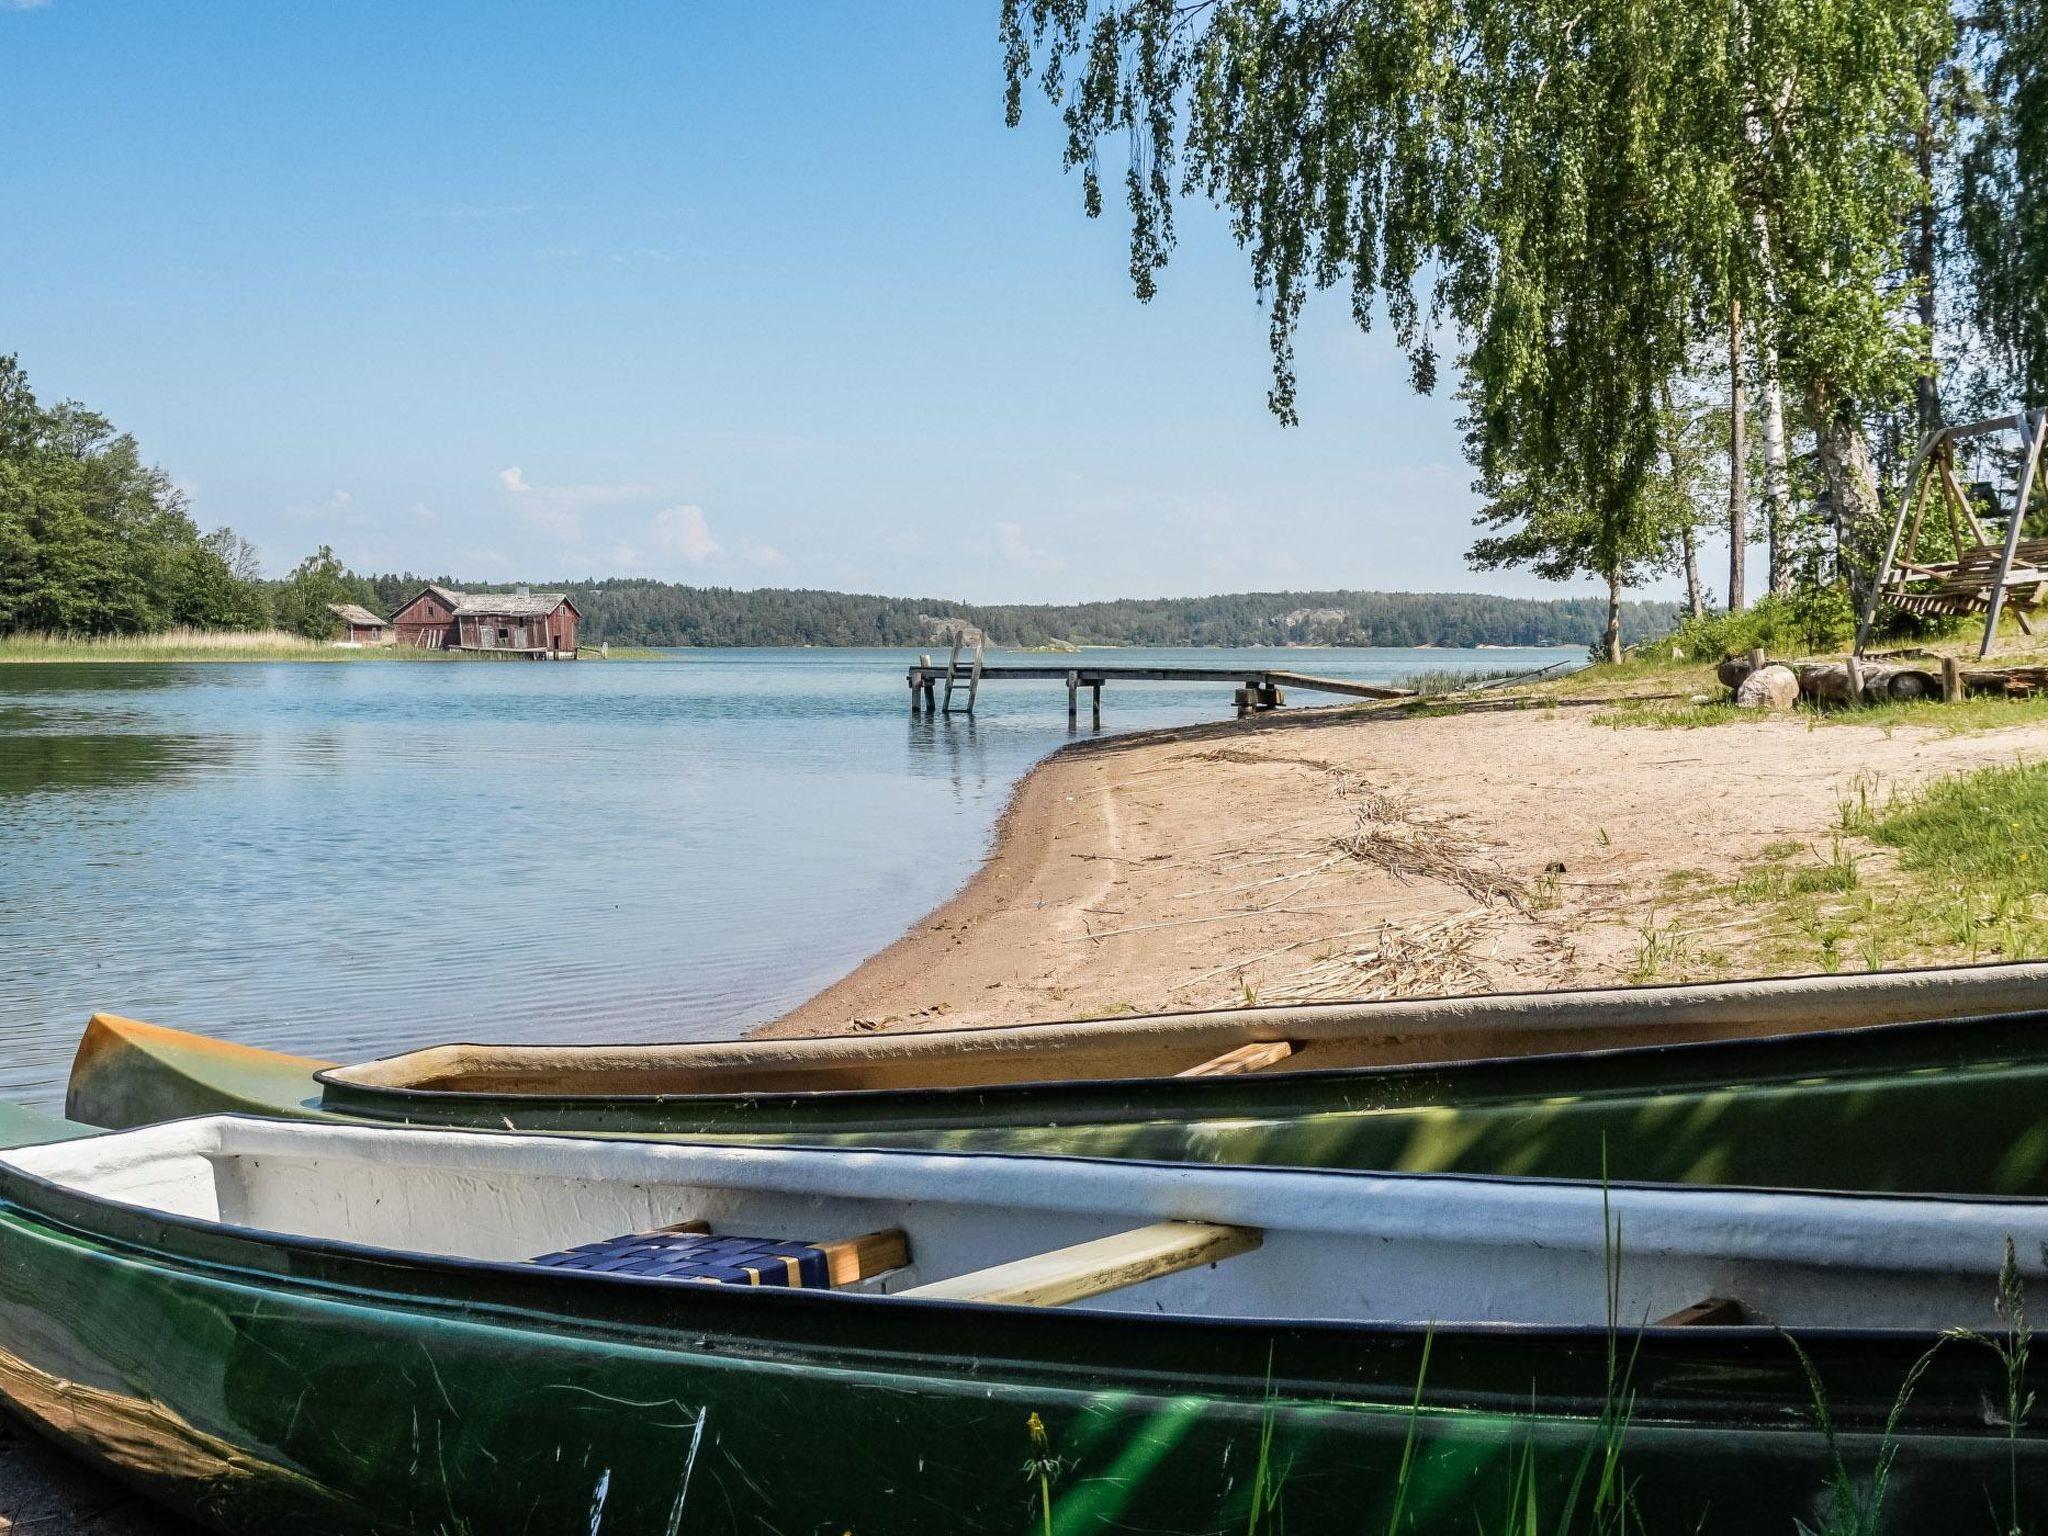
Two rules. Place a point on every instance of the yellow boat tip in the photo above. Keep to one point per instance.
(110, 1031)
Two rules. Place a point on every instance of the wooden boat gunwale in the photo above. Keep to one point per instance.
(1676, 1374)
(1723, 1005)
(1789, 1054)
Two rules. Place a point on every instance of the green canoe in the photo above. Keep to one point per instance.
(367, 1331)
(1952, 1106)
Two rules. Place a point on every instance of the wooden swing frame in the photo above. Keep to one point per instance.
(1962, 589)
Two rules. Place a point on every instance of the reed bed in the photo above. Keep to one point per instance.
(185, 644)
(180, 644)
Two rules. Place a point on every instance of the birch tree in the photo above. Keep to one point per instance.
(1578, 193)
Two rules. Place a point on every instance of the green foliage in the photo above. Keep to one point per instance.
(1576, 189)
(1804, 622)
(2005, 194)
(92, 540)
(301, 601)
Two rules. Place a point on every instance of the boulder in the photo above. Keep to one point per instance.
(1732, 671)
(1775, 688)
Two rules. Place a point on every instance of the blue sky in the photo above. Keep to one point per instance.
(718, 292)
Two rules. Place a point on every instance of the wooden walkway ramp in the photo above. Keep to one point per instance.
(1257, 688)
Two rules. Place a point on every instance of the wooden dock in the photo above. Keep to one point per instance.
(1257, 688)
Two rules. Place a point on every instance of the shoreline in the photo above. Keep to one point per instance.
(1344, 853)
(1021, 847)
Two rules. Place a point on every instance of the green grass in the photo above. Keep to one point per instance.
(1955, 872)
(1980, 713)
(1627, 688)
(1968, 717)
(1670, 715)
(1987, 830)
(1438, 680)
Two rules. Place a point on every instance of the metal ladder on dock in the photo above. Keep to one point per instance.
(974, 673)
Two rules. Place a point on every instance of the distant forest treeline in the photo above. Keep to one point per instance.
(96, 541)
(633, 611)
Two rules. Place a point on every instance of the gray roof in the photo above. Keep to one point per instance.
(513, 605)
(356, 613)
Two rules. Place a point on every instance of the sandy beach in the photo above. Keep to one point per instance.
(1343, 853)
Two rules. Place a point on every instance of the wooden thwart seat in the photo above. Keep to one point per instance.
(689, 1250)
(1090, 1269)
(1246, 1058)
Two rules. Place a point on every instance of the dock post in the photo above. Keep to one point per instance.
(1095, 690)
(1073, 697)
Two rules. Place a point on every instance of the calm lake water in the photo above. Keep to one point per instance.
(355, 858)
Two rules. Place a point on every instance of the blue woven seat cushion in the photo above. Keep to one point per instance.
(722, 1258)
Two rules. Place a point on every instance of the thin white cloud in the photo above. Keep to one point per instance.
(557, 510)
(1022, 553)
(338, 508)
(23, 5)
(606, 494)
(765, 554)
(683, 531)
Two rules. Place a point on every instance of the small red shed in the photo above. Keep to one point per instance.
(359, 625)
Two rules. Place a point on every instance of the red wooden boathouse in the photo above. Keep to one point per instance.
(537, 624)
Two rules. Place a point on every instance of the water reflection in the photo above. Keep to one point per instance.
(38, 763)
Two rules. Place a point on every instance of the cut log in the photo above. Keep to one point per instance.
(1827, 681)
(1830, 682)
(1246, 1058)
(2014, 682)
(1090, 1269)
